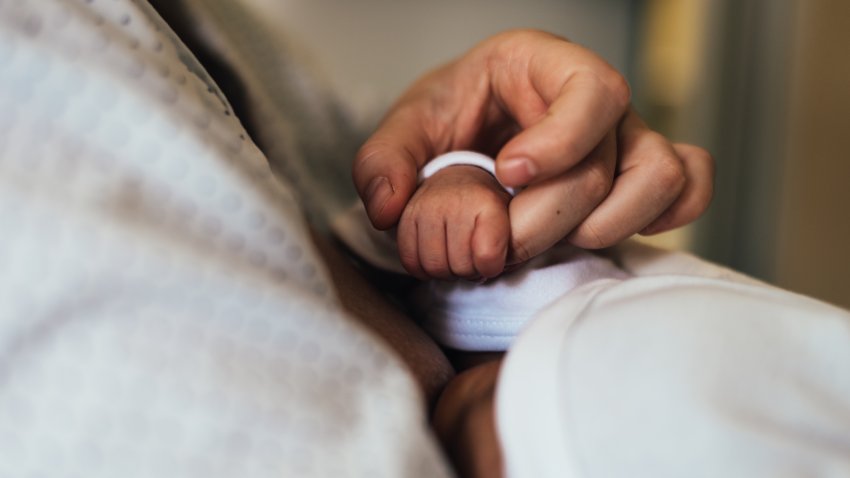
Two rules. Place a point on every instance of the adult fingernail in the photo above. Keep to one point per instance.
(377, 194)
(517, 171)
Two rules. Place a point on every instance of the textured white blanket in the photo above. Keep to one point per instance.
(162, 310)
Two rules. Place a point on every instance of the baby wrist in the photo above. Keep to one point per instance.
(462, 158)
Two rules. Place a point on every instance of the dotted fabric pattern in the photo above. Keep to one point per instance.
(162, 310)
(302, 128)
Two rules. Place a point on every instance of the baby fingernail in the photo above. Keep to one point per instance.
(517, 171)
(377, 194)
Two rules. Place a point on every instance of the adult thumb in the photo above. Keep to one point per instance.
(386, 167)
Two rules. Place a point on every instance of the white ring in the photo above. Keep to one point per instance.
(461, 158)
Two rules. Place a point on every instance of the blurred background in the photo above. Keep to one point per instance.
(763, 84)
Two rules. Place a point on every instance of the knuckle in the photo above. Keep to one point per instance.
(618, 88)
(519, 250)
(598, 183)
(609, 81)
(362, 167)
(669, 174)
(381, 145)
(520, 36)
(589, 236)
(512, 47)
(368, 150)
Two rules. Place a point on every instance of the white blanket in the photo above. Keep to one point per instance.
(686, 369)
(162, 310)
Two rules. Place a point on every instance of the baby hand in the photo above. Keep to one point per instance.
(455, 226)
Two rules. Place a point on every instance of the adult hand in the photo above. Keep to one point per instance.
(557, 118)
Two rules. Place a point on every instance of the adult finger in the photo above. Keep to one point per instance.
(386, 167)
(650, 179)
(543, 214)
(581, 98)
(695, 198)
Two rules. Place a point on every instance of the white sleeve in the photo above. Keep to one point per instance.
(670, 376)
